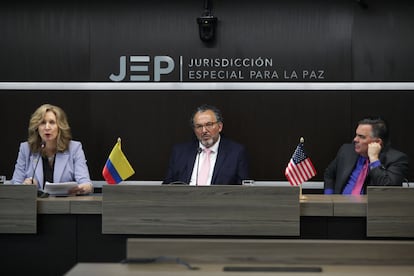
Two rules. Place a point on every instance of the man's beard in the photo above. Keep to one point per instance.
(207, 143)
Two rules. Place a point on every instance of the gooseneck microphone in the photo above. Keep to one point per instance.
(199, 150)
(42, 146)
(404, 178)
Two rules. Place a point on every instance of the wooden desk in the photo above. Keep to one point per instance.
(390, 212)
(168, 269)
(282, 251)
(18, 209)
(208, 210)
(71, 227)
(312, 205)
(89, 204)
(349, 206)
(316, 205)
(284, 257)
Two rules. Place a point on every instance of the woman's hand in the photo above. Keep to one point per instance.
(30, 181)
(82, 189)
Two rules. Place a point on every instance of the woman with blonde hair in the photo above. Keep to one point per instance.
(50, 154)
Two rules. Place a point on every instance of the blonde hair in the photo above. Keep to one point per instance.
(64, 133)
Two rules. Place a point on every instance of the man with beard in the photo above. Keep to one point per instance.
(368, 161)
(211, 159)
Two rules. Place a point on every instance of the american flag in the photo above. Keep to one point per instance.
(300, 167)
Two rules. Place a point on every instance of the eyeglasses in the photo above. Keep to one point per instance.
(208, 126)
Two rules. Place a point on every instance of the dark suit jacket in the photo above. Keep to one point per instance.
(231, 166)
(392, 172)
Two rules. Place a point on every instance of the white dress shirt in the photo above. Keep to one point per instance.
(199, 162)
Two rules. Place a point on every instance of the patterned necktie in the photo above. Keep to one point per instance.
(205, 168)
(360, 180)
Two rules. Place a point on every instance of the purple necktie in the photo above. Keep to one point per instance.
(360, 180)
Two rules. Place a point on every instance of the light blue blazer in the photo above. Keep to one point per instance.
(70, 165)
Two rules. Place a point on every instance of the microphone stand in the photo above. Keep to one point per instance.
(42, 146)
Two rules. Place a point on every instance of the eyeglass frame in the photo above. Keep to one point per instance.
(209, 126)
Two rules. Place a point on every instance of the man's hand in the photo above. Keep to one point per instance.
(374, 150)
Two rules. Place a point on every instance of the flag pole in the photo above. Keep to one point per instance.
(301, 196)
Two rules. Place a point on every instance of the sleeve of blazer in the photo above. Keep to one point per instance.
(339, 170)
(232, 164)
(393, 170)
(81, 171)
(242, 166)
(181, 163)
(22, 164)
(171, 170)
(330, 175)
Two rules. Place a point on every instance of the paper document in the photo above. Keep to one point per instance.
(59, 188)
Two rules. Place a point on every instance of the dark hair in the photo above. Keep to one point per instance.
(379, 128)
(203, 108)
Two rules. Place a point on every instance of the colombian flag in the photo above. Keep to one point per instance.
(117, 167)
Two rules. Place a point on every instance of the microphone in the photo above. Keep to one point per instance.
(404, 178)
(199, 150)
(177, 183)
(42, 146)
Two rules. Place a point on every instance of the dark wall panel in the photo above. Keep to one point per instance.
(83, 40)
(44, 41)
(383, 41)
(269, 123)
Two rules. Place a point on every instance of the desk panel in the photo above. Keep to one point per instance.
(88, 204)
(171, 269)
(290, 251)
(390, 212)
(210, 210)
(349, 205)
(316, 205)
(18, 208)
(75, 224)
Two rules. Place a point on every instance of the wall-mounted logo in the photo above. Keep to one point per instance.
(163, 68)
(138, 68)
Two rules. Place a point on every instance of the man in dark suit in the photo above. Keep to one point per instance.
(211, 159)
(368, 161)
